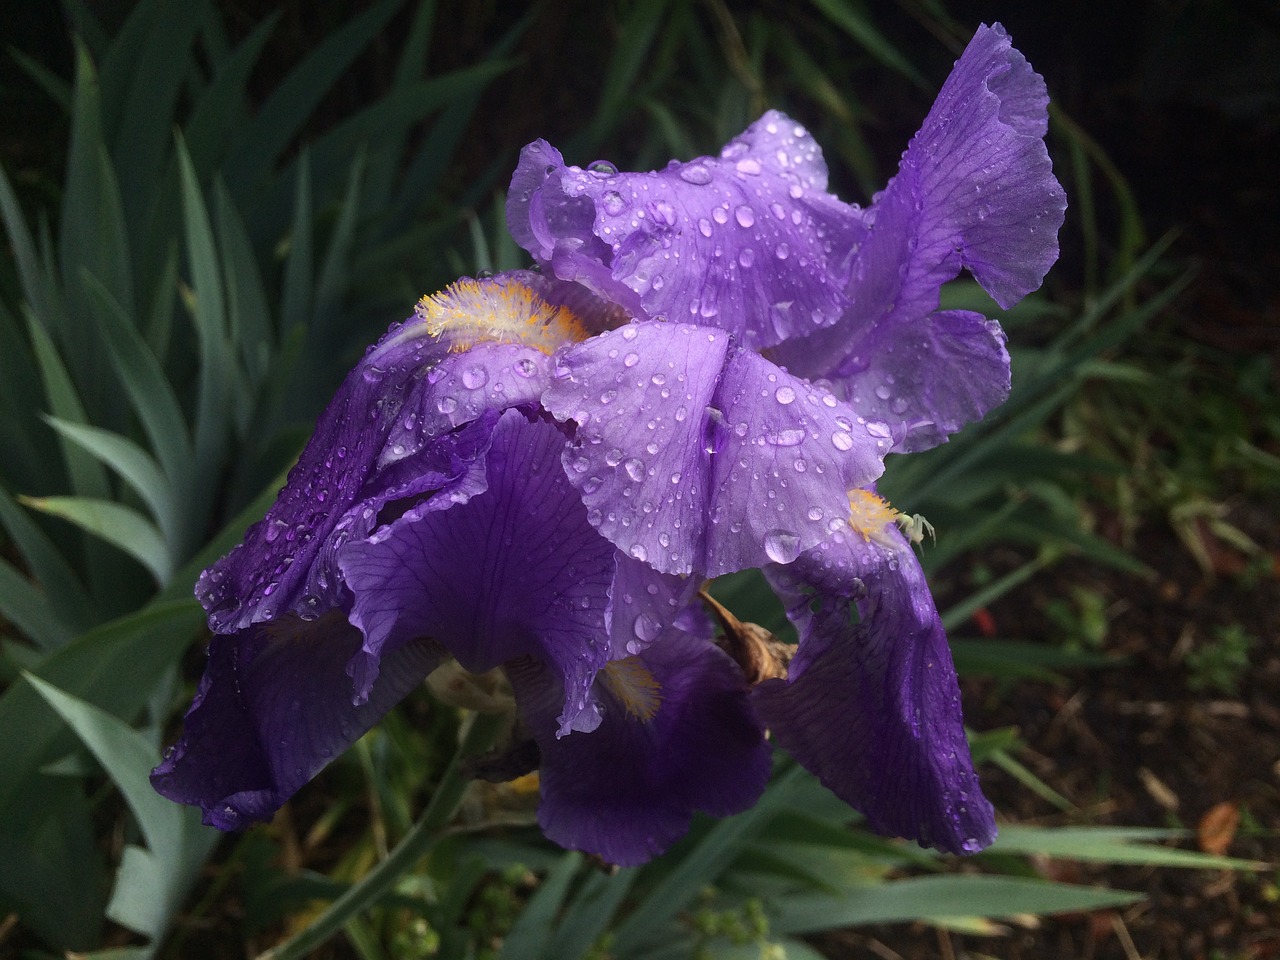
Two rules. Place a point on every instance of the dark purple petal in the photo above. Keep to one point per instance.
(678, 734)
(693, 454)
(274, 571)
(741, 241)
(411, 420)
(871, 705)
(975, 191)
(274, 706)
(516, 571)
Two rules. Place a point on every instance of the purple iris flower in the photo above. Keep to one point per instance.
(536, 471)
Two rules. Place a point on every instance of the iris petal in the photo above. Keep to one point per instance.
(870, 704)
(975, 191)
(694, 454)
(274, 706)
(628, 789)
(741, 241)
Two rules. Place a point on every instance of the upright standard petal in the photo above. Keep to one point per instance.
(975, 191)
(691, 453)
(743, 241)
(274, 706)
(870, 704)
(677, 735)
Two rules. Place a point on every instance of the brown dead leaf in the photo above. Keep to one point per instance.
(1217, 828)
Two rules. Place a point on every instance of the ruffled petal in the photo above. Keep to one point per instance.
(517, 571)
(740, 241)
(678, 734)
(694, 454)
(274, 572)
(871, 705)
(274, 706)
(975, 191)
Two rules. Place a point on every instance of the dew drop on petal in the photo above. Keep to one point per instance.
(634, 468)
(781, 546)
(613, 203)
(639, 552)
(646, 627)
(695, 173)
(473, 378)
(746, 257)
(784, 394)
(745, 216)
(841, 440)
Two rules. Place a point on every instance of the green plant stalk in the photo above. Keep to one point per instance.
(444, 804)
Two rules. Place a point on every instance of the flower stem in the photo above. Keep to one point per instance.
(420, 838)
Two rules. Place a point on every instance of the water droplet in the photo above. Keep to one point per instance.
(882, 392)
(704, 226)
(629, 332)
(782, 251)
(841, 440)
(446, 405)
(815, 513)
(613, 203)
(781, 546)
(634, 468)
(695, 173)
(785, 438)
(746, 257)
(646, 627)
(473, 378)
(603, 169)
(878, 428)
(613, 457)
(784, 394)
(745, 216)
(525, 367)
(750, 166)
(720, 215)
(639, 552)
(631, 359)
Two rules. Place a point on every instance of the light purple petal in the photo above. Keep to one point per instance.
(743, 241)
(693, 454)
(871, 705)
(274, 707)
(628, 789)
(975, 191)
